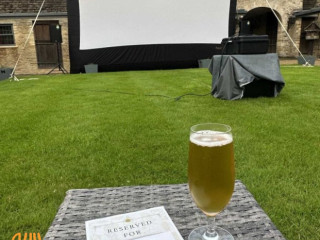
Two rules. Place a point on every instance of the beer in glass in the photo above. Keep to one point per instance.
(211, 174)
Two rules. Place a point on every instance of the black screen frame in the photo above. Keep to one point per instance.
(138, 57)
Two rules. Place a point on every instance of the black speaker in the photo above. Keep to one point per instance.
(245, 27)
(55, 33)
(246, 44)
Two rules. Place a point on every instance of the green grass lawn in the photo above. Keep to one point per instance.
(113, 129)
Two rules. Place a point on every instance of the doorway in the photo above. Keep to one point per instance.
(263, 22)
(47, 50)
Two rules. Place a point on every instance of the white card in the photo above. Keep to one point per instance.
(149, 224)
(160, 236)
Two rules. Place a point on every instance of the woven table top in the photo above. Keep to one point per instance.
(243, 217)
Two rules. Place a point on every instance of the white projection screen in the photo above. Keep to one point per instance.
(111, 23)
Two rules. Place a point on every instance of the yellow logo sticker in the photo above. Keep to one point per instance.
(27, 236)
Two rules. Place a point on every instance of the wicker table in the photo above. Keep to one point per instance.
(243, 217)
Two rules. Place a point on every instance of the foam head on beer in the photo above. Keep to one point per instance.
(208, 138)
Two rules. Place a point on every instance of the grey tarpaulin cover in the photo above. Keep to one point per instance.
(238, 76)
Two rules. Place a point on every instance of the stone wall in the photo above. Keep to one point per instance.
(285, 48)
(28, 61)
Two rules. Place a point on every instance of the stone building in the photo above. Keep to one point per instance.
(40, 54)
(300, 18)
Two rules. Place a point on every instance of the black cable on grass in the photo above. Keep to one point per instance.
(191, 94)
(157, 95)
(147, 95)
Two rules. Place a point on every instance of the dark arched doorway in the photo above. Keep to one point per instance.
(263, 22)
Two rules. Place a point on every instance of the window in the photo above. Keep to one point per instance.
(6, 34)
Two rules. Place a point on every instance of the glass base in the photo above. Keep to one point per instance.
(199, 234)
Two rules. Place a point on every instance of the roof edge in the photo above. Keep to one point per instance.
(45, 14)
(307, 12)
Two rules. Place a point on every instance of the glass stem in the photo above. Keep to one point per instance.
(211, 233)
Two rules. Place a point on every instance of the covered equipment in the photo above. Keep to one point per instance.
(238, 76)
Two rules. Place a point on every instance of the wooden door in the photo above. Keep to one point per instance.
(306, 46)
(47, 51)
